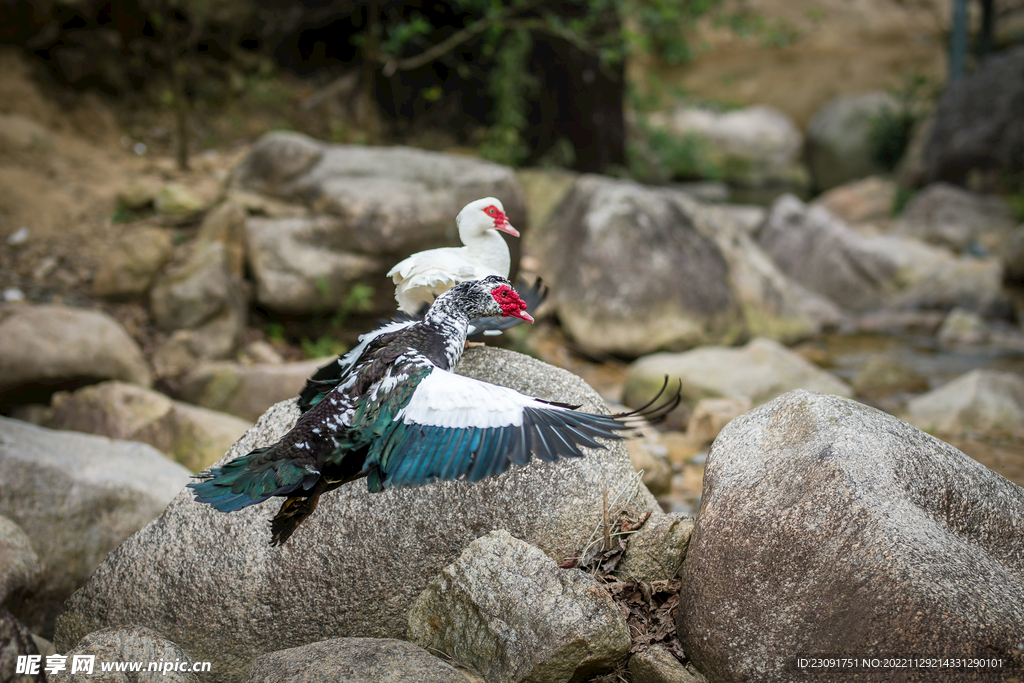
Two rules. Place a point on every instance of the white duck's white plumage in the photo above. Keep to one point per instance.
(420, 278)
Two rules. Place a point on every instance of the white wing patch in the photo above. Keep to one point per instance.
(444, 399)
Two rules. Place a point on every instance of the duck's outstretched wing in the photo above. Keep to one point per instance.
(331, 375)
(455, 426)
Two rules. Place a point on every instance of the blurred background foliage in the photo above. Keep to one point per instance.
(522, 81)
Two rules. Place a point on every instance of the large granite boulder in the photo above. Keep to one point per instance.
(77, 496)
(196, 437)
(828, 527)
(44, 347)
(977, 122)
(367, 209)
(634, 269)
(353, 660)
(507, 610)
(841, 142)
(355, 567)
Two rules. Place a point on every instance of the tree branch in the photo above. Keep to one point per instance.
(393, 63)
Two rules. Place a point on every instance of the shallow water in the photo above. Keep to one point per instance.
(847, 353)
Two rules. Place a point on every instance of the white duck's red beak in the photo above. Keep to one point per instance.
(507, 227)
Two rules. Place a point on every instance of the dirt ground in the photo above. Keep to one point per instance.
(796, 55)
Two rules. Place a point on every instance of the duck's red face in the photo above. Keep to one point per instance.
(500, 220)
(511, 305)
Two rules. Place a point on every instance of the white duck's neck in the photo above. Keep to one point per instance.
(490, 251)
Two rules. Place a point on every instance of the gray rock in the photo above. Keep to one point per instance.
(132, 644)
(977, 122)
(749, 217)
(368, 208)
(195, 437)
(967, 283)
(382, 548)
(979, 402)
(16, 641)
(294, 272)
(246, 390)
(130, 268)
(846, 530)
(822, 253)
(77, 497)
(634, 269)
(276, 159)
(959, 220)
(658, 665)
(203, 294)
(19, 564)
(839, 138)
(353, 660)
(656, 551)
(505, 609)
(752, 147)
(52, 345)
(759, 371)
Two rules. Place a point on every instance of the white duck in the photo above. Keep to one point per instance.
(420, 278)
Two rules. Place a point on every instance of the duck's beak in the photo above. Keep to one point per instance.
(522, 315)
(507, 227)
